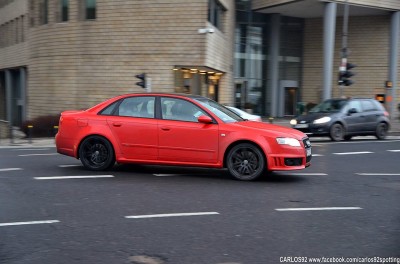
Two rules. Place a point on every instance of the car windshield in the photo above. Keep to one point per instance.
(221, 111)
(329, 106)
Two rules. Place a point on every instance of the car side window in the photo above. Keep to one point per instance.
(368, 106)
(355, 105)
(180, 110)
(109, 109)
(140, 106)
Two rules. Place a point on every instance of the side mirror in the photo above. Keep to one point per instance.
(352, 111)
(205, 119)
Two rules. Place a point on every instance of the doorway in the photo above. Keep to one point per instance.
(288, 98)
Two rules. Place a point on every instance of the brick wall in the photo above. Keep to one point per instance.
(84, 62)
(368, 42)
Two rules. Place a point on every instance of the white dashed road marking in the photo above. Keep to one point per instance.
(171, 215)
(394, 150)
(31, 149)
(318, 209)
(166, 175)
(73, 177)
(29, 155)
(68, 166)
(353, 153)
(30, 223)
(379, 174)
(11, 169)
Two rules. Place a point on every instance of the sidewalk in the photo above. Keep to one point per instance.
(49, 142)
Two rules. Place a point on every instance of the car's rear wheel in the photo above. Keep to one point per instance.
(337, 132)
(381, 131)
(96, 153)
(245, 162)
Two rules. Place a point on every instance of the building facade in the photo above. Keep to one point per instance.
(263, 55)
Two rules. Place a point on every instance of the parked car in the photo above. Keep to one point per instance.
(344, 118)
(245, 115)
(179, 130)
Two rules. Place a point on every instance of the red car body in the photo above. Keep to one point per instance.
(159, 137)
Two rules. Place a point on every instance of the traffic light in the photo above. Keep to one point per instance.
(345, 74)
(142, 78)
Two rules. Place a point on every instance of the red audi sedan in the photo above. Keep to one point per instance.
(178, 130)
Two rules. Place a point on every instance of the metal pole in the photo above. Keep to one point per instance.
(329, 47)
(345, 51)
(393, 60)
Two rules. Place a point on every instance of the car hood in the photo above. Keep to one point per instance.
(272, 129)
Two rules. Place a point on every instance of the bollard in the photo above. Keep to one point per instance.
(271, 120)
(30, 133)
(55, 130)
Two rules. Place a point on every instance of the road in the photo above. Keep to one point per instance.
(345, 205)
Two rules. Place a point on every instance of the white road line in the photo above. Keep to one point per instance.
(317, 155)
(31, 149)
(67, 166)
(379, 174)
(394, 150)
(166, 175)
(28, 155)
(353, 153)
(171, 215)
(11, 169)
(30, 223)
(307, 174)
(73, 177)
(317, 209)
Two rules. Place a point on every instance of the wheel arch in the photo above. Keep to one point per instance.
(235, 143)
(97, 135)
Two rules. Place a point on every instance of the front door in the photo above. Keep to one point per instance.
(182, 138)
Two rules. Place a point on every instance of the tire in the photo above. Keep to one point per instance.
(245, 162)
(96, 153)
(337, 132)
(347, 138)
(381, 131)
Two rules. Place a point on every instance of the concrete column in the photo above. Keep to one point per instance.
(22, 100)
(8, 82)
(273, 64)
(329, 47)
(393, 59)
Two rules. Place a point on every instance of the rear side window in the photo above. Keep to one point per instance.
(368, 105)
(109, 109)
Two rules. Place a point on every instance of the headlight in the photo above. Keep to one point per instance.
(293, 122)
(288, 141)
(322, 120)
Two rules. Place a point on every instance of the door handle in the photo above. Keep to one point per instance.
(165, 128)
(117, 124)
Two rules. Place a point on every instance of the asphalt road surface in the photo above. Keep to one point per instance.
(345, 206)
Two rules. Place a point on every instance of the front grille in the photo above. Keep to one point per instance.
(307, 147)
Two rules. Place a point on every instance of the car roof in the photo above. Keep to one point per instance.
(193, 96)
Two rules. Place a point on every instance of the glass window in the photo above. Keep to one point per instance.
(368, 106)
(64, 6)
(90, 9)
(140, 106)
(216, 12)
(355, 105)
(109, 109)
(180, 110)
(44, 9)
(221, 111)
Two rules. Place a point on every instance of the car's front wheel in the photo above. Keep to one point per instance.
(96, 153)
(245, 162)
(337, 132)
(381, 131)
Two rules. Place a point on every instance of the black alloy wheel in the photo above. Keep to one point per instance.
(381, 131)
(337, 132)
(245, 162)
(96, 153)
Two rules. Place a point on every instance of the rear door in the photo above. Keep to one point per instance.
(182, 138)
(134, 126)
(371, 114)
